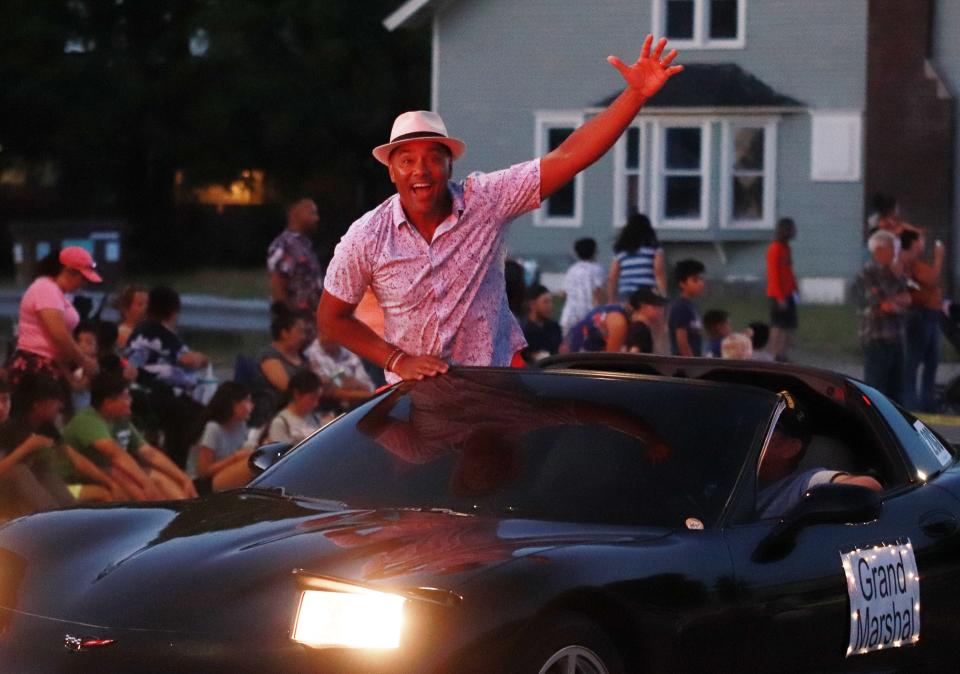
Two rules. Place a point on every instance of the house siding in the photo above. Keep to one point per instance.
(500, 61)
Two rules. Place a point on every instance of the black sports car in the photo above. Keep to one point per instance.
(598, 514)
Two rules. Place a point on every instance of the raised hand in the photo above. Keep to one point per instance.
(649, 73)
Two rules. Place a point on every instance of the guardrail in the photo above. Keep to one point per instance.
(200, 312)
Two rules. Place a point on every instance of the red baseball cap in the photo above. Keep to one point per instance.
(78, 258)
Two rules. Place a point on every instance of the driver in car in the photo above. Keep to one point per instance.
(780, 482)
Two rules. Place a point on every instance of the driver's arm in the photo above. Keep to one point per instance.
(857, 481)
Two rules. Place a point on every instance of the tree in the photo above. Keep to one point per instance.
(120, 94)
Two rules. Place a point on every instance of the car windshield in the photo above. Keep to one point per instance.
(540, 445)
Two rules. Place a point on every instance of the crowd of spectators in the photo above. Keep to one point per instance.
(97, 411)
(627, 307)
(899, 292)
(902, 308)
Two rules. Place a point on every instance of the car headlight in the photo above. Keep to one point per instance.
(367, 619)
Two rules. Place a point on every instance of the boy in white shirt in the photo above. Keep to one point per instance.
(582, 284)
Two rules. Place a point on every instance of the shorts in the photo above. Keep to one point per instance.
(783, 318)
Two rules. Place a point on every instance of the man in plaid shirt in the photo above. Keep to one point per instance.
(883, 297)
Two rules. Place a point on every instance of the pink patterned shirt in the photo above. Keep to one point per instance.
(446, 298)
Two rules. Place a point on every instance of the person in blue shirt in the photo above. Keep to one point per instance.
(618, 327)
(683, 318)
(780, 482)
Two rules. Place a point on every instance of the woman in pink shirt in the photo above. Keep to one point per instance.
(45, 342)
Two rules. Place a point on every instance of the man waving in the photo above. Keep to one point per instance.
(433, 253)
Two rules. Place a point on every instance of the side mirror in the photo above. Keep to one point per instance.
(267, 455)
(825, 504)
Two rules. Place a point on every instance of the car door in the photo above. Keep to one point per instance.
(796, 606)
(795, 610)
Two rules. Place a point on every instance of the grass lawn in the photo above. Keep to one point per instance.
(827, 329)
(234, 283)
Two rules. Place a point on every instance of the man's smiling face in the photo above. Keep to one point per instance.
(420, 169)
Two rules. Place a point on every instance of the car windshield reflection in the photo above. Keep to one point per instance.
(536, 445)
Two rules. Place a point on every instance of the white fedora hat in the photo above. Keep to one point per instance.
(418, 125)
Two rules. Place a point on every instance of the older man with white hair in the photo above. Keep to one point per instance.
(883, 298)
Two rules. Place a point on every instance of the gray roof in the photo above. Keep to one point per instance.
(716, 85)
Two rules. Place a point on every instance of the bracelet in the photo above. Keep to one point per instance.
(393, 359)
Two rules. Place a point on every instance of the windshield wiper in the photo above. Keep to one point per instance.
(281, 492)
(265, 491)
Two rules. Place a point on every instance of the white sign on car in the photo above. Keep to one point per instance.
(884, 589)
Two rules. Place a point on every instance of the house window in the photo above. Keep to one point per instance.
(630, 157)
(682, 180)
(564, 207)
(715, 24)
(680, 19)
(748, 173)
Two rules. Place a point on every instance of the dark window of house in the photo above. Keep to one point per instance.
(683, 148)
(683, 179)
(563, 202)
(679, 24)
(723, 19)
(748, 185)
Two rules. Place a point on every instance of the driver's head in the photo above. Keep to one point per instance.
(788, 441)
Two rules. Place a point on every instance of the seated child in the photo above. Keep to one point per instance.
(737, 346)
(759, 337)
(223, 450)
(716, 323)
(300, 417)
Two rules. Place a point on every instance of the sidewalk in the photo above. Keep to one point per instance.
(853, 367)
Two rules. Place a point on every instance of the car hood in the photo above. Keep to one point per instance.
(182, 566)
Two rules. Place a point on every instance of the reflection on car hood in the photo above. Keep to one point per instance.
(179, 566)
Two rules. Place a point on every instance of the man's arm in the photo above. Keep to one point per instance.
(278, 287)
(683, 342)
(858, 481)
(273, 371)
(592, 140)
(929, 274)
(90, 470)
(124, 463)
(335, 317)
(875, 299)
(32, 443)
(161, 462)
(192, 360)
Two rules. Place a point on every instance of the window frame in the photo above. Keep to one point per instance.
(769, 174)
(658, 172)
(701, 39)
(621, 172)
(544, 121)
